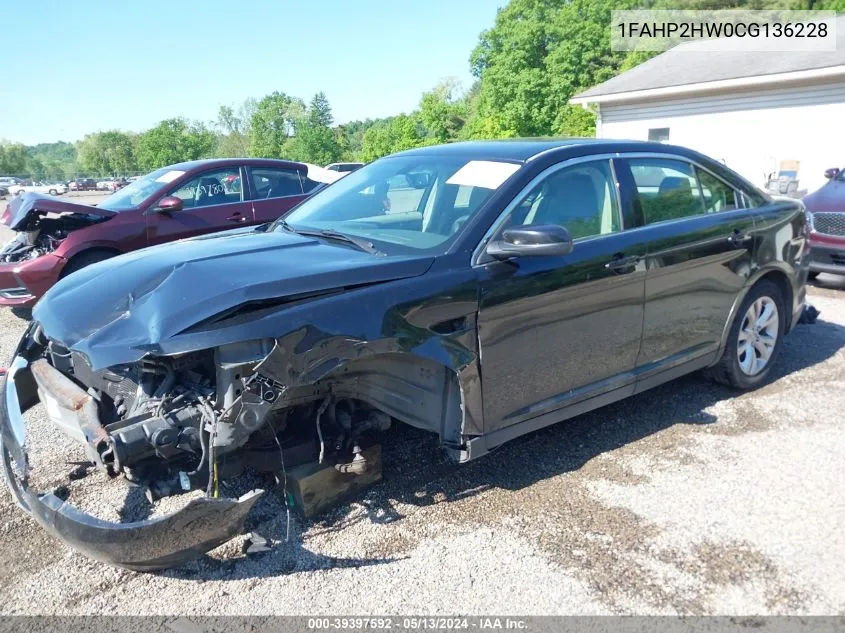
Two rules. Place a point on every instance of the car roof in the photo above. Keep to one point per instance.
(227, 162)
(523, 150)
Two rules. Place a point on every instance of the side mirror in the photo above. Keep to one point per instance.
(833, 172)
(533, 240)
(168, 204)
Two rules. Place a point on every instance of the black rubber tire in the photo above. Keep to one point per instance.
(23, 313)
(727, 370)
(812, 275)
(53, 192)
(86, 258)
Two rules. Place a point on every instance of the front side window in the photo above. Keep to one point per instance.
(221, 186)
(666, 189)
(275, 183)
(718, 196)
(410, 202)
(581, 198)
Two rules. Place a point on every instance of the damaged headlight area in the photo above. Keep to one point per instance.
(31, 244)
(171, 425)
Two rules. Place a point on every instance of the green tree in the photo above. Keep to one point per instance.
(315, 141)
(391, 135)
(174, 141)
(107, 153)
(273, 124)
(12, 159)
(443, 112)
(233, 128)
(350, 137)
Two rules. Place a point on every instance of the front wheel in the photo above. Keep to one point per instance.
(754, 339)
(52, 192)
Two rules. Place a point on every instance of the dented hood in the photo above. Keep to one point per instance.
(120, 309)
(22, 208)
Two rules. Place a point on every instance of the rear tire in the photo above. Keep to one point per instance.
(84, 259)
(52, 192)
(753, 340)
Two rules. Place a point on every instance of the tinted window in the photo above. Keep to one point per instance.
(309, 185)
(717, 195)
(659, 134)
(667, 189)
(581, 198)
(275, 183)
(221, 186)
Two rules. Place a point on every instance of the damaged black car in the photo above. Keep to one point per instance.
(479, 291)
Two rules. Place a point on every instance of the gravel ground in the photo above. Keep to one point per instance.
(688, 499)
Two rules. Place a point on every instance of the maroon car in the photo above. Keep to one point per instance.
(55, 237)
(826, 220)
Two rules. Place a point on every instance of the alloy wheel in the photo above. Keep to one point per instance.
(758, 336)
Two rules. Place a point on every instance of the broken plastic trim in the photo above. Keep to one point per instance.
(200, 526)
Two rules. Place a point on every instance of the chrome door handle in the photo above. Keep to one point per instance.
(737, 238)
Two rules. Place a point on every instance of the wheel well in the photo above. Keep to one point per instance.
(90, 252)
(416, 391)
(782, 282)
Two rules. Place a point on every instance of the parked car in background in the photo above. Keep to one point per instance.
(826, 221)
(83, 184)
(9, 181)
(117, 183)
(53, 189)
(552, 269)
(344, 167)
(56, 237)
(103, 185)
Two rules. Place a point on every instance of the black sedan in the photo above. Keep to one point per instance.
(479, 291)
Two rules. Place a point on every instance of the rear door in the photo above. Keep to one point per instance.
(700, 251)
(274, 191)
(211, 201)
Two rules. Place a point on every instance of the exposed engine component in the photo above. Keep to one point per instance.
(29, 245)
(172, 424)
(193, 413)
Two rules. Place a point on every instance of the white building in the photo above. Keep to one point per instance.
(758, 112)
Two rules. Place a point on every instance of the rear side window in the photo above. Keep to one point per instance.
(274, 183)
(718, 196)
(666, 189)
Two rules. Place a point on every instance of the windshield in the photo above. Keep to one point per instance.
(419, 202)
(136, 192)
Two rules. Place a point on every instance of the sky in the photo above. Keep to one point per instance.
(92, 65)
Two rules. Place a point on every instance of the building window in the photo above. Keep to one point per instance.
(659, 134)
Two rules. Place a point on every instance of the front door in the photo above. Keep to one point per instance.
(700, 253)
(554, 331)
(212, 201)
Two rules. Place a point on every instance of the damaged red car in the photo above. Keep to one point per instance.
(55, 238)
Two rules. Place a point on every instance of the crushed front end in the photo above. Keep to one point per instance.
(32, 262)
(171, 425)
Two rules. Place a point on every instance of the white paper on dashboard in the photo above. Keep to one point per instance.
(488, 174)
(170, 176)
